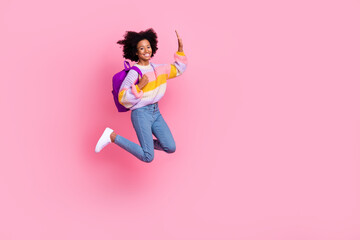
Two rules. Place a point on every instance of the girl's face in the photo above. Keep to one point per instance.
(144, 50)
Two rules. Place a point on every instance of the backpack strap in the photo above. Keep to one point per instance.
(138, 71)
(126, 65)
(127, 68)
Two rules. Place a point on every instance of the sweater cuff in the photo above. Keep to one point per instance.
(180, 53)
(134, 90)
(180, 57)
(137, 88)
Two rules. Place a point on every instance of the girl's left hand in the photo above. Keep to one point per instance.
(180, 48)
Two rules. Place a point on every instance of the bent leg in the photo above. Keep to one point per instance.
(165, 140)
(134, 149)
(142, 125)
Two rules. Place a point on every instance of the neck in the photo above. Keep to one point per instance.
(143, 63)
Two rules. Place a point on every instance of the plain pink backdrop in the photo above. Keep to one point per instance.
(266, 120)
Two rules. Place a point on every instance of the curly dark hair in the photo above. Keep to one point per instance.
(131, 40)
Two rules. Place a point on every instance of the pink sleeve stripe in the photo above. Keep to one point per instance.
(163, 69)
(179, 58)
(135, 92)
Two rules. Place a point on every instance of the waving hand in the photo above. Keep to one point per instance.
(180, 44)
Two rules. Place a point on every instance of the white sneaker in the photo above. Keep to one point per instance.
(104, 140)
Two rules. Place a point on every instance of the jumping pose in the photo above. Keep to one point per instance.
(142, 98)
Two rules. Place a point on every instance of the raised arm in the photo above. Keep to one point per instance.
(179, 66)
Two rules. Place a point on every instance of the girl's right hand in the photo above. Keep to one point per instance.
(143, 81)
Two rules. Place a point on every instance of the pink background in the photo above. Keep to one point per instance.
(265, 118)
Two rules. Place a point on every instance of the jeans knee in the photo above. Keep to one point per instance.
(171, 149)
(148, 158)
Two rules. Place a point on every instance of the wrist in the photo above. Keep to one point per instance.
(180, 53)
(139, 87)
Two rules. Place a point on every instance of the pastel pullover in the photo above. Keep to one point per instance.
(132, 97)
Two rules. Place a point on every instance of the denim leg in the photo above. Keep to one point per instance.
(129, 146)
(142, 121)
(165, 140)
(157, 145)
(142, 125)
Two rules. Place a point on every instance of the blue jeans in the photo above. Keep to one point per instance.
(147, 121)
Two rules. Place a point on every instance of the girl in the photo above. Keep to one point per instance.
(142, 98)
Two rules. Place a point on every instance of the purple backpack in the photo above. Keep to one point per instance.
(118, 79)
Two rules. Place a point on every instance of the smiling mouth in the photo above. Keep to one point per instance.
(147, 55)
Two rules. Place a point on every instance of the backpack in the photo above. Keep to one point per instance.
(118, 79)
